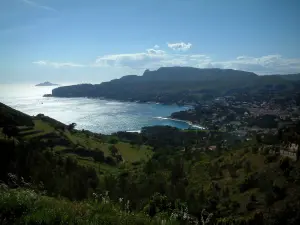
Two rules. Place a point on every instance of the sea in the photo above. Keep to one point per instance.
(96, 115)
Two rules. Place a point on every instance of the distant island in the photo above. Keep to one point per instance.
(47, 83)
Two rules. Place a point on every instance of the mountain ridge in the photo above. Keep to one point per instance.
(175, 85)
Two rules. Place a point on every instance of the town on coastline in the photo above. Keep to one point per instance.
(249, 117)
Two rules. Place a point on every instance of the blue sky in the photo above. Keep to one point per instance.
(97, 40)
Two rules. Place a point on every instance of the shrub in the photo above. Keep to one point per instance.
(21, 206)
(270, 158)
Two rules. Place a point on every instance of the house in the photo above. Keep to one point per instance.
(290, 151)
(212, 148)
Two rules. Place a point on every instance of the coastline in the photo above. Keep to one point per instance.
(186, 107)
(198, 126)
(190, 105)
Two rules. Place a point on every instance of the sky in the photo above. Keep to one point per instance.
(91, 41)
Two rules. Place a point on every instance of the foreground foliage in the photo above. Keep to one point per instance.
(54, 175)
(21, 206)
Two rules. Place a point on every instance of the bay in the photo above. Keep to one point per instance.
(97, 115)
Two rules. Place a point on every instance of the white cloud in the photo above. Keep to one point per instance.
(57, 64)
(156, 46)
(269, 64)
(154, 58)
(155, 51)
(138, 60)
(180, 46)
(34, 4)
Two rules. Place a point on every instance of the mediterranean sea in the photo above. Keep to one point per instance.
(96, 115)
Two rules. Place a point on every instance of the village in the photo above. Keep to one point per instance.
(258, 120)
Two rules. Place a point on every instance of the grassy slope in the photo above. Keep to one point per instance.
(10, 116)
(38, 127)
(22, 206)
(130, 153)
(200, 176)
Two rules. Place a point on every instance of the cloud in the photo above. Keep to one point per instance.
(134, 60)
(180, 46)
(156, 46)
(155, 51)
(154, 58)
(34, 4)
(269, 64)
(57, 64)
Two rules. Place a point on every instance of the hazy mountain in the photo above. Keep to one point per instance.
(295, 77)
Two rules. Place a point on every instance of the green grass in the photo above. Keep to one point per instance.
(87, 141)
(130, 153)
(59, 148)
(101, 168)
(41, 126)
(21, 206)
(133, 153)
(199, 176)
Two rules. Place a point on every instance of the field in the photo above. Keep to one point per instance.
(69, 142)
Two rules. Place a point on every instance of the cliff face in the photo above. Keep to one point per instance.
(170, 85)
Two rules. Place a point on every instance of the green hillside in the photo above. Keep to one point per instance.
(51, 173)
(9, 116)
(23, 206)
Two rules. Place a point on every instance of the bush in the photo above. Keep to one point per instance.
(270, 158)
(248, 183)
(27, 207)
(113, 141)
(254, 149)
(285, 166)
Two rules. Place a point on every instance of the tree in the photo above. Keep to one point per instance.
(10, 131)
(72, 126)
(114, 151)
(51, 144)
(247, 166)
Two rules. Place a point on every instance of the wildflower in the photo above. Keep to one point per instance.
(207, 220)
(127, 206)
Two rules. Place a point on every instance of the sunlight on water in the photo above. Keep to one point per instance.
(92, 114)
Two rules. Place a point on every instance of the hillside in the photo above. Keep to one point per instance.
(175, 85)
(102, 152)
(23, 206)
(51, 173)
(295, 77)
(9, 116)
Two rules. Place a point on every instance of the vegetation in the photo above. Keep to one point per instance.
(9, 116)
(52, 173)
(24, 206)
